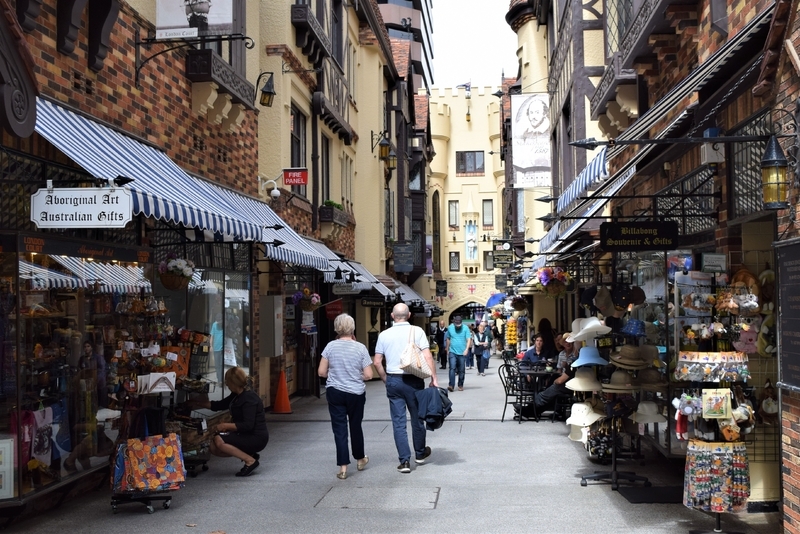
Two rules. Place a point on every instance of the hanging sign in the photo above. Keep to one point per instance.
(333, 309)
(638, 235)
(295, 176)
(714, 263)
(502, 255)
(82, 207)
(193, 18)
(501, 282)
(403, 257)
(373, 302)
(441, 288)
(787, 255)
(345, 289)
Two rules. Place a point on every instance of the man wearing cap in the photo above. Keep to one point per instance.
(459, 341)
(401, 387)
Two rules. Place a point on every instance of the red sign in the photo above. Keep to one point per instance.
(333, 309)
(295, 176)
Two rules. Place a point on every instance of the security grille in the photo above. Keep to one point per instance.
(455, 261)
(746, 168)
(689, 208)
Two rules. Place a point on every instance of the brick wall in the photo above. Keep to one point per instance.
(158, 112)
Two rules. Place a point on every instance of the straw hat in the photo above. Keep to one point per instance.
(633, 328)
(647, 412)
(590, 329)
(650, 354)
(585, 380)
(583, 414)
(651, 379)
(629, 357)
(589, 356)
(620, 382)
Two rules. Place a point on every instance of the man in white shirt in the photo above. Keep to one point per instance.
(401, 387)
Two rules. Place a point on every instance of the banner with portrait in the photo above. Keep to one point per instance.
(530, 137)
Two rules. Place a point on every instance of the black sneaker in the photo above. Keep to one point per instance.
(421, 459)
(247, 470)
(405, 467)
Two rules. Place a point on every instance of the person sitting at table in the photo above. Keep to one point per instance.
(545, 398)
(537, 353)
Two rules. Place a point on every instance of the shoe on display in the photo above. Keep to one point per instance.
(421, 459)
(405, 467)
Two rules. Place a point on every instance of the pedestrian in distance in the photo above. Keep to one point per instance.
(482, 342)
(401, 387)
(470, 360)
(346, 364)
(459, 341)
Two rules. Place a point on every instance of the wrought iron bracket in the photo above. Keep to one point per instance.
(146, 43)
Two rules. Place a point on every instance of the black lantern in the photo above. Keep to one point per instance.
(774, 170)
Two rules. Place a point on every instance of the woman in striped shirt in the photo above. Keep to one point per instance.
(346, 364)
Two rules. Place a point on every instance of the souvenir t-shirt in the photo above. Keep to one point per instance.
(43, 435)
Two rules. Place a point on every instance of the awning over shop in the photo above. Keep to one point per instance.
(595, 171)
(160, 189)
(336, 262)
(702, 75)
(295, 248)
(368, 276)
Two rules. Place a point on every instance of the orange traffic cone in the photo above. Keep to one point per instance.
(282, 404)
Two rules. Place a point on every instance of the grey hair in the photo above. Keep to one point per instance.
(344, 325)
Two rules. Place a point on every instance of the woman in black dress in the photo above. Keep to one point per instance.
(247, 433)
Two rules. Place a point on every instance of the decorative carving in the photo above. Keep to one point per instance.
(27, 13)
(642, 25)
(102, 17)
(557, 64)
(234, 119)
(310, 36)
(204, 94)
(219, 112)
(68, 24)
(332, 103)
(17, 81)
(612, 77)
(206, 66)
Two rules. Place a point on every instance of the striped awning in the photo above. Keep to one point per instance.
(108, 277)
(295, 248)
(161, 189)
(336, 262)
(368, 276)
(595, 171)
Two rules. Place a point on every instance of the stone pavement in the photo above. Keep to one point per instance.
(483, 476)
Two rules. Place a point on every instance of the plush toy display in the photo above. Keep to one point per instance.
(747, 342)
(767, 295)
(768, 405)
(766, 344)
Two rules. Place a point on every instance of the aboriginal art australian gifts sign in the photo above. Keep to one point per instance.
(82, 207)
(633, 236)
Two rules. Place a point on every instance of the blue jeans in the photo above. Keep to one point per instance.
(470, 358)
(402, 393)
(457, 366)
(483, 360)
(346, 409)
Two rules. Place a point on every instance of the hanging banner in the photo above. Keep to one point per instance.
(193, 18)
(82, 207)
(530, 137)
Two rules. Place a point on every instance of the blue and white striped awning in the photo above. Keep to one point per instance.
(160, 189)
(336, 262)
(295, 248)
(369, 277)
(595, 171)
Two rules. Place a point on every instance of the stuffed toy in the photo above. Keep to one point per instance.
(768, 405)
(748, 303)
(766, 345)
(747, 342)
(767, 295)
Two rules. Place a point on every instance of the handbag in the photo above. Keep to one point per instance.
(412, 360)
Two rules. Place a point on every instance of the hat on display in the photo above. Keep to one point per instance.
(585, 380)
(565, 337)
(583, 414)
(579, 433)
(637, 295)
(619, 382)
(633, 328)
(647, 412)
(587, 298)
(576, 328)
(603, 301)
(589, 356)
(620, 296)
(629, 357)
(650, 354)
(590, 329)
(651, 379)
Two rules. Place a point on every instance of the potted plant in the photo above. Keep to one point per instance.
(175, 272)
(552, 281)
(332, 212)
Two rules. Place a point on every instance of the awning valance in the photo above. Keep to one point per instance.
(160, 189)
(595, 171)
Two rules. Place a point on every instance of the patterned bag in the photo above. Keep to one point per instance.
(412, 360)
(154, 463)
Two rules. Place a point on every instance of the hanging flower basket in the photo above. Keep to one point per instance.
(555, 288)
(174, 282)
(307, 305)
(519, 303)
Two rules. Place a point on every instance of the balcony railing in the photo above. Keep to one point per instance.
(332, 101)
(310, 35)
(618, 19)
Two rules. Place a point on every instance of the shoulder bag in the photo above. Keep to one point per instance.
(412, 360)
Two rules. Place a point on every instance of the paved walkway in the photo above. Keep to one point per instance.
(483, 476)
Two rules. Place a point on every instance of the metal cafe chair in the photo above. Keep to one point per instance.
(516, 392)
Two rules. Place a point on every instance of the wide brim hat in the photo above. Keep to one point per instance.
(603, 301)
(583, 414)
(647, 412)
(587, 298)
(633, 328)
(585, 380)
(637, 295)
(650, 354)
(651, 379)
(620, 296)
(576, 328)
(578, 433)
(620, 381)
(629, 357)
(589, 356)
(590, 329)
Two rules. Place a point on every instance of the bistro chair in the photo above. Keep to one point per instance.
(563, 404)
(516, 392)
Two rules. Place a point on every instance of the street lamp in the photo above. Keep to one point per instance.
(268, 93)
(774, 184)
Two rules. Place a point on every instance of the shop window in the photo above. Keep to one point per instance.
(745, 172)
(470, 163)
